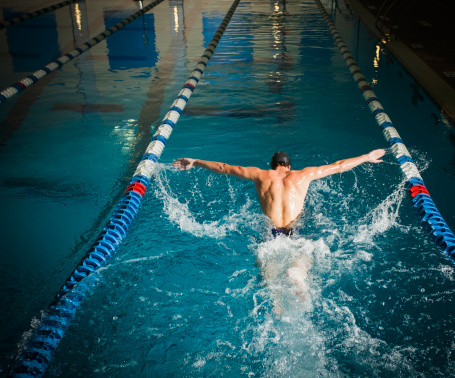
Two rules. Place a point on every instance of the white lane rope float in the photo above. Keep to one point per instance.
(426, 209)
(31, 79)
(37, 354)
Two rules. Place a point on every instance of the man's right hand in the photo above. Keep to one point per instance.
(183, 164)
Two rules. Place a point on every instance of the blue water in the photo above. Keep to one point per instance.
(185, 294)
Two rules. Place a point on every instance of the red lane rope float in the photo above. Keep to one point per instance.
(418, 189)
(137, 187)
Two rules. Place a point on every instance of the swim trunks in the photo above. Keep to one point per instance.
(281, 231)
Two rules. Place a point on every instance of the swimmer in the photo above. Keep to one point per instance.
(281, 194)
(280, 190)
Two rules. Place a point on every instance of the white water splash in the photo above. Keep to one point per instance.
(287, 333)
(381, 219)
(280, 327)
(179, 212)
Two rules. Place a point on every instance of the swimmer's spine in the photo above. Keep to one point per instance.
(35, 358)
(23, 84)
(431, 218)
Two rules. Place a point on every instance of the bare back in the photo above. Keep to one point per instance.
(282, 195)
(281, 191)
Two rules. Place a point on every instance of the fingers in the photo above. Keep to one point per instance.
(182, 164)
(380, 154)
(178, 164)
(375, 155)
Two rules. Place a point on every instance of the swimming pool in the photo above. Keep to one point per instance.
(183, 295)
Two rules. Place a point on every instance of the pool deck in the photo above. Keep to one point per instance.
(421, 38)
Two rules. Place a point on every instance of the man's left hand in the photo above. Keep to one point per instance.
(376, 155)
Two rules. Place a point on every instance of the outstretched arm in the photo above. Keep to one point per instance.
(344, 165)
(247, 173)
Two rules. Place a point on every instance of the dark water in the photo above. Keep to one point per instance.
(184, 295)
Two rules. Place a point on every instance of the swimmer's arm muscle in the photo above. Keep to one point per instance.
(247, 173)
(340, 166)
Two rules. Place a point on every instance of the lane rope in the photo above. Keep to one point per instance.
(23, 84)
(37, 354)
(431, 218)
(39, 12)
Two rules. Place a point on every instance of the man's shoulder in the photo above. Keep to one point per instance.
(263, 175)
(302, 173)
(251, 173)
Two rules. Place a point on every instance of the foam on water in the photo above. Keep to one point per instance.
(285, 333)
(226, 298)
(299, 319)
(326, 334)
(295, 273)
(193, 220)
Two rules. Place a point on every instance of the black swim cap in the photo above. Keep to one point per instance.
(280, 158)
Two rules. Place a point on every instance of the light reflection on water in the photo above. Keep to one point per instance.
(186, 295)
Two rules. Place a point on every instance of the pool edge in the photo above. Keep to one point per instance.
(434, 85)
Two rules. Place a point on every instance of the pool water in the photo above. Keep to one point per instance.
(187, 293)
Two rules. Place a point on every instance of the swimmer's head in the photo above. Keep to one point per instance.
(280, 158)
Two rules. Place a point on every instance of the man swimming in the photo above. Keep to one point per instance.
(281, 192)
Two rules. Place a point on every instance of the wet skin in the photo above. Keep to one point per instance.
(281, 191)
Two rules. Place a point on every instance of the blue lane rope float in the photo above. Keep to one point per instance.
(36, 13)
(23, 84)
(37, 354)
(425, 208)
